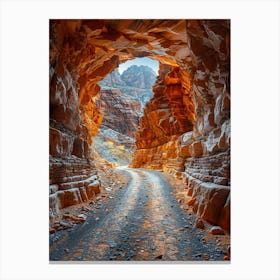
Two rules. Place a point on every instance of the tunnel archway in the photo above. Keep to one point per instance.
(195, 57)
(122, 98)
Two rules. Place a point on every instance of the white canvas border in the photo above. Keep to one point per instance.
(255, 138)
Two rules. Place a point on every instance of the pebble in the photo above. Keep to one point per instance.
(159, 257)
(206, 257)
(131, 254)
(82, 217)
(216, 230)
(64, 225)
(112, 244)
(67, 251)
(199, 223)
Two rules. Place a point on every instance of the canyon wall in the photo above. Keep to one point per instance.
(119, 112)
(167, 115)
(115, 141)
(190, 136)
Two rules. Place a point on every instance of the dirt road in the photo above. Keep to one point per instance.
(142, 222)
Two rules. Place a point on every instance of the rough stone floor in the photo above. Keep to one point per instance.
(142, 222)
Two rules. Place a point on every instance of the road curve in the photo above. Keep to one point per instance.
(144, 223)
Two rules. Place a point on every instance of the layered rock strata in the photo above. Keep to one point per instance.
(119, 112)
(167, 115)
(82, 52)
(115, 141)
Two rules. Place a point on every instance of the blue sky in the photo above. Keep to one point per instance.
(140, 61)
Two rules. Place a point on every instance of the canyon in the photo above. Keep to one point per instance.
(121, 100)
(185, 128)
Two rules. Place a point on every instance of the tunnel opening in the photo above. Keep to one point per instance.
(122, 98)
(185, 127)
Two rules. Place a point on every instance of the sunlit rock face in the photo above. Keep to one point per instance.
(193, 89)
(167, 115)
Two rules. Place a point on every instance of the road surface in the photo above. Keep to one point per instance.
(143, 222)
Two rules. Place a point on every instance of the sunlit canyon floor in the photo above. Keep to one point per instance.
(138, 219)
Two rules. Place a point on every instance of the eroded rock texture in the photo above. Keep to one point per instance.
(168, 114)
(186, 126)
(122, 113)
(115, 140)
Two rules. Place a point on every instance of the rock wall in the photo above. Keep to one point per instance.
(71, 168)
(115, 140)
(120, 112)
(199, 150)
(196, 121)
(167, 115)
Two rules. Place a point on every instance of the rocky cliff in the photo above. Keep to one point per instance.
(139, 77)
(121, 102)
(113, 80)
(167, 115)
(135, 83)
(193, 92)
(115, 140)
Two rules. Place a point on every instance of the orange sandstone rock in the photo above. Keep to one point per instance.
(192, 93)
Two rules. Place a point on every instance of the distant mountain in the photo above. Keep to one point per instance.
(139, 76)
(136, 82)
(113, 80)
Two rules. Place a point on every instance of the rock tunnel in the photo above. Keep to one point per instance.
(185, 129)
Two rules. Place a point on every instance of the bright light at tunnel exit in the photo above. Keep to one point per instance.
(154, 64)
